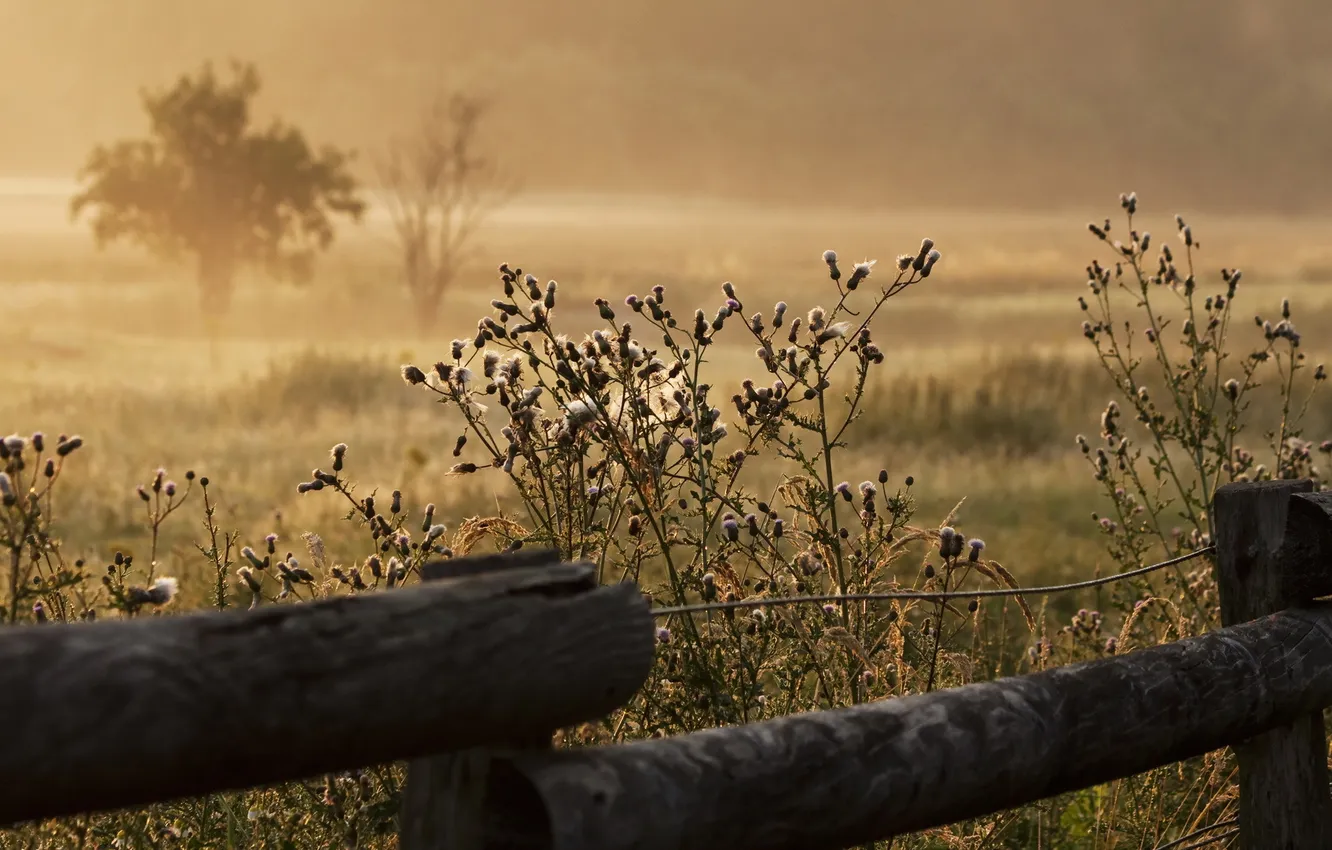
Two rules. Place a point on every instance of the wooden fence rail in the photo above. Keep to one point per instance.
(468, 675)
(115, 714)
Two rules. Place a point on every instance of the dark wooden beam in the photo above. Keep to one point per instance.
(836, 779)
(116, 714)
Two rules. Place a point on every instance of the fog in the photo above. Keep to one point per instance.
(1210, 104)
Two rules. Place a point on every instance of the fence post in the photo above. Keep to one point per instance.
(444, 802)
(1274, 551)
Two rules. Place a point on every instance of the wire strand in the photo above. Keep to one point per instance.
(926, 595)
(1183, 842)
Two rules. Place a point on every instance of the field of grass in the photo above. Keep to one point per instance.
(986, 379)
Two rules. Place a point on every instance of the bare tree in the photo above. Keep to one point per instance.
(438, 189)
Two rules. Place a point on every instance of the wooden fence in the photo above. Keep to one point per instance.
(468, 676)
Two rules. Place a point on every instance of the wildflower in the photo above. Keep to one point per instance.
(844, 490)
(7, 489)
(251, 580)
(663, 635)
(64, 447)
(830, 257)
(161, 591)
(731, 529)
(580, 411)
(1232, 389)
(859, 272)
(834, 331)
(926, 246)
(412, 375)
(977, 546)
(930, 259)
(816, 319)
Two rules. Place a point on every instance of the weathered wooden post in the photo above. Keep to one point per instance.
(472, 799)
(1274, 551)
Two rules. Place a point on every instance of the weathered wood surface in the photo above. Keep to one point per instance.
(1274, 550)
(835, 779)
(444, 799)
(117, 714)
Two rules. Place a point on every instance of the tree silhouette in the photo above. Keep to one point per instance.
(438, 190)
(209, 186)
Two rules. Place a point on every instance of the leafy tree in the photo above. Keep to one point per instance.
(209, 186)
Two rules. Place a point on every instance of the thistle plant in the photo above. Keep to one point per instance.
(622, 448)
(1167, 348)
(38, 580)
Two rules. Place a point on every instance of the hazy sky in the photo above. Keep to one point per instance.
(1021, 103)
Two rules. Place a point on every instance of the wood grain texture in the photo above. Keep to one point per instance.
(834, 779)
(444, 802)
(116, 714)
(1274, 541)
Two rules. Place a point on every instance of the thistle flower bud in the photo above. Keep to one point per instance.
(161, 591)
(251, 580)
(412, 375)
(930, 259)
(859, 273)
(731, 528)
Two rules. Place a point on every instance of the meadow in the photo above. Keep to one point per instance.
(986, 380)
